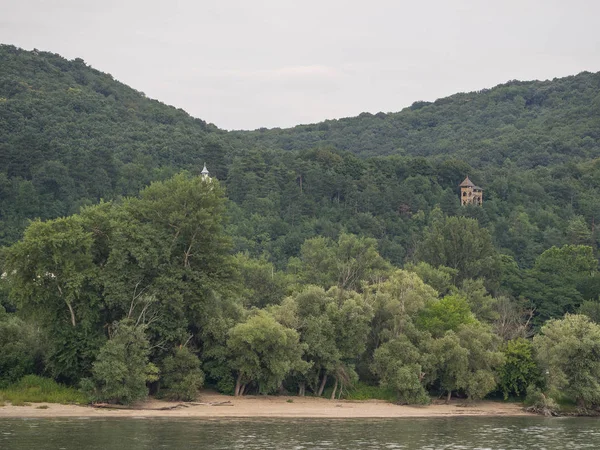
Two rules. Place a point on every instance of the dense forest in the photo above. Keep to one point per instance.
(329, 257)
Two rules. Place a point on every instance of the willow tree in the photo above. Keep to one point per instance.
(568, 352)
(264, 352)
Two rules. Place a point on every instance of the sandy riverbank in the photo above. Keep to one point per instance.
(272, 407)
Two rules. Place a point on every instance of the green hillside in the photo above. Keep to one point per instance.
(313, 258)
(531, 122)
(70, 135)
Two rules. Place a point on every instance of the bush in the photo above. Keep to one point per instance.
(181, 375)
(519, 369)
(409, 387)
(536, 401)
(32, 388)
(121, 370)
(362, 391)
(20, 350)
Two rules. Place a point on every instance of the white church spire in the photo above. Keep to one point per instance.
(205, 175)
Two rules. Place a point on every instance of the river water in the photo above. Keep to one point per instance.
(178, 434)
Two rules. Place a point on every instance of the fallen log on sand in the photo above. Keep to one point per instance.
(163, 408)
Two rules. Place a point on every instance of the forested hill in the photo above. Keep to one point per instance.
(532, 123)
(313, 257)
(71, 134)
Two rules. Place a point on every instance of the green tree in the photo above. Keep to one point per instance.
(461, 244)
(334, 326)
(444, 315)
(519, 370)
(346, 263)
(265, 352)
(484, 359)
(181, 375)
(52, 278)
(555, 283)
(480, 301)
(22, 349)
(567, 349)
(467, 360)
(396, 304)
(263, 284)
(120, 372)
(440, 278)
(402, 366)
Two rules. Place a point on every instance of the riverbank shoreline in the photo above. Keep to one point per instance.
(212, 405)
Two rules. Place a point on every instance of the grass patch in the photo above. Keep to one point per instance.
(32, 388)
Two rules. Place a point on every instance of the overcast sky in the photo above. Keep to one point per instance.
(244, 64)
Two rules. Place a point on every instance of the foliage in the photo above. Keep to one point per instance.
(555, 284)
(484, 359)
(263, 285)
(445, 315)
(362, 391)
(401, 366)
(461, 244)
(519, 370)
(346, 263)
(397, 302)
(264, 351)
(162, 257)
(440, 278)
(591, 309)
(567, 349)
(35, 389)
(306, 253)
(540, 403)
(181, 375)
(22, 350)
(120, 372)
(334, 326)
(467, 360)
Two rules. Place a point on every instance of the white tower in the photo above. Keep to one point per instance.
(205, 173)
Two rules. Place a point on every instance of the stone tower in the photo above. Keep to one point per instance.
(470, 194)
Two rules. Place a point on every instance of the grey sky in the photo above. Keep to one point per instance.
(247, 64)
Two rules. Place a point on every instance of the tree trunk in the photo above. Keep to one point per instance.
(72, 313)
(448, 397)
(243, 388)
(334, 389)
(322, 387)
(238, 385)
(301, 389)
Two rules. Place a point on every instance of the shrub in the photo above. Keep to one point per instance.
(20, 352)
(121, 370)
(540, 403)
(181, 375)
(32, 388)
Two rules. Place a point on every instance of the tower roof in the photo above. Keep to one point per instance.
(467, 183)
(205, 170)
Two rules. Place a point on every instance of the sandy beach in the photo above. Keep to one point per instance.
(212, 405)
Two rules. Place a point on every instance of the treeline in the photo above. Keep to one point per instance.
(320, 216)
(144, 293)
(533, 123)
(71, 136)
